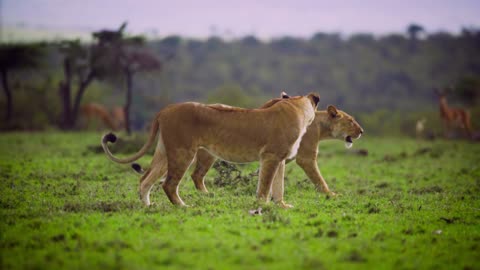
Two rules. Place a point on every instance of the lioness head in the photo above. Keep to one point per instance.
(343, 126)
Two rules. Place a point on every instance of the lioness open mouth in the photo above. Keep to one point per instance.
(348, 142)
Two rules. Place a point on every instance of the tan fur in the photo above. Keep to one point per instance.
(118, 117)
(325, 126)
(93, 111)
(454, 117)
(420, 128)
(233, 134)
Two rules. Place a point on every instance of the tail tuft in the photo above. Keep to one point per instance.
(137, 168)
(110, 137)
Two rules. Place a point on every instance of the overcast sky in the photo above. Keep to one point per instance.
(263, 18)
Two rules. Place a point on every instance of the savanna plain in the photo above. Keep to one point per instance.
(402, 204)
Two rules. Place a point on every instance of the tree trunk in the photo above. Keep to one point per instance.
(78, 97)
(128, 101)
(65, 96)
(8, 94)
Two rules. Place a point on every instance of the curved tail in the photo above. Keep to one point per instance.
(110, 137)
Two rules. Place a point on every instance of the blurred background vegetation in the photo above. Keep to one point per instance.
(386, 82)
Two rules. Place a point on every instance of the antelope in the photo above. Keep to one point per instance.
(94, 112)
(453, 117)
(420, 127)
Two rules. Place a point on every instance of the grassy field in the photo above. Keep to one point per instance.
(406, 205)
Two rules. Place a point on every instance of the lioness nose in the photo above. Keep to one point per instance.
(361, 131)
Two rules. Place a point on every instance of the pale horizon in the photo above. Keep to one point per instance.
(266, 19)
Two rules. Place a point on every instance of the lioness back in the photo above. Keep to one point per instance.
(234, 134)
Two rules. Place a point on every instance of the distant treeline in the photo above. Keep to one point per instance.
(363, 74)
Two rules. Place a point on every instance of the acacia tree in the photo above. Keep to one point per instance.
(16, 57)
(136, 62)
(413, 31)
(124, 56)
(84, 64)
(77, 69)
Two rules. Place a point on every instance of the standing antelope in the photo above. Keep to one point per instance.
(453, 117)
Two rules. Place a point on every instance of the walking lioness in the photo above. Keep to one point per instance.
(329, 124)
(270, 135)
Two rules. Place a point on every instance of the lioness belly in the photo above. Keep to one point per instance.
(232, 154)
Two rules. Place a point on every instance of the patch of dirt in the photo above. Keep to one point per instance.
(450, 220)
(100, 206)
(353, 235)
(231, 177)
(272, 215)
(372, 209)
(332, 234)
(433, 153)
(393, 158)
(58, 238)
(382, 185)
(412, 231)
(355, 256)
(361, 152)
(422, 151)
(381, 236)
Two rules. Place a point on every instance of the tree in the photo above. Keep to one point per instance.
(84, 64)
(125, 56)
(413, 31)
(16, 57)
(76, 67)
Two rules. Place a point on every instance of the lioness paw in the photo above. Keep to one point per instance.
(331, 194)
(284, 205)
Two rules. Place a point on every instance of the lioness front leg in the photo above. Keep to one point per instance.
(278, 186)
(269, 164)
(309, 166)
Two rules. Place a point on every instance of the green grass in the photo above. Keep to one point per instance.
(407, 205)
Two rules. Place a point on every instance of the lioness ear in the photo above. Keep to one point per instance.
(315, 98)
(332, 111)
(284, 95)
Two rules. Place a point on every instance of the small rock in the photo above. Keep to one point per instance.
(255, 212)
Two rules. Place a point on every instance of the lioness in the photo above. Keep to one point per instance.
(270, 135)
(329, 124)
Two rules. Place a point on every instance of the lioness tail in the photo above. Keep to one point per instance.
(110, 137)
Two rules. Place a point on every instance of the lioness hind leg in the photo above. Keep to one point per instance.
(268, 168)
(158, 169)
(204, 162)
(148, 181)
(176, 169)
(278, 187)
